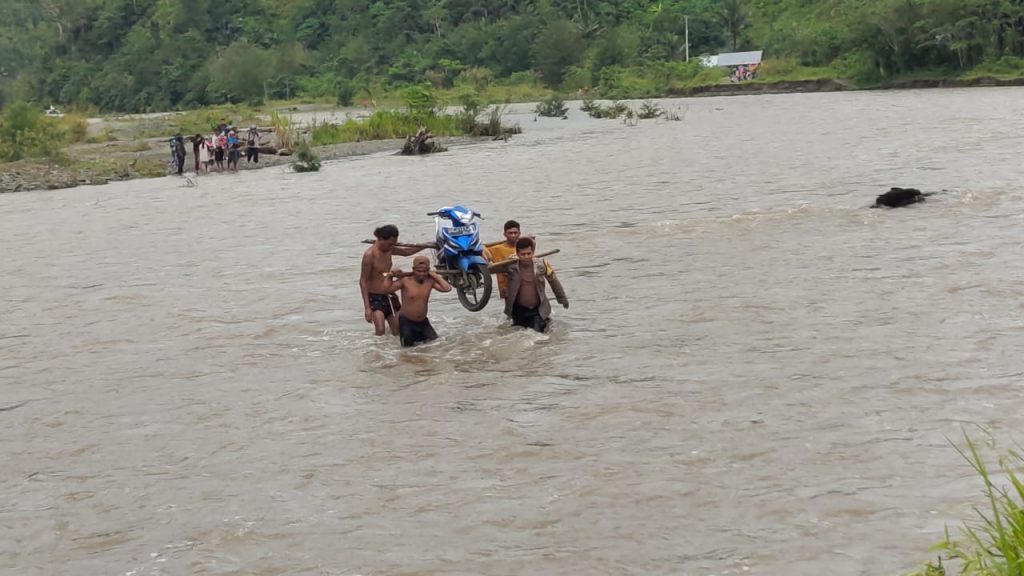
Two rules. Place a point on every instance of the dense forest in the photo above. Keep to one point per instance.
(140, 55)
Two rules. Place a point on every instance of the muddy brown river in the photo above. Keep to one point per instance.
(757, 373)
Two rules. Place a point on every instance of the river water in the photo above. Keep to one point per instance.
(757, 374)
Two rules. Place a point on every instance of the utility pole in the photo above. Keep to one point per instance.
(686, 18)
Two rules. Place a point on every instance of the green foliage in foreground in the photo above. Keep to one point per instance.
(993, 543)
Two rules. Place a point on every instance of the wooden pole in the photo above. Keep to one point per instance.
(498, 266)
(408, 245)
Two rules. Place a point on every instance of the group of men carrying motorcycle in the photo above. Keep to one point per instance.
(463, 262)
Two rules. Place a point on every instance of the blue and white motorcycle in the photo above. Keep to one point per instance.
(460, 255)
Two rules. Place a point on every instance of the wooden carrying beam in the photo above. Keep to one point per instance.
(408, 245)
(499, 266)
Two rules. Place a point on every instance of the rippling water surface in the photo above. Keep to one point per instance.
(757, 373)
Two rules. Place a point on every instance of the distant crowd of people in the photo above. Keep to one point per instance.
(741, 73)
(220, 147)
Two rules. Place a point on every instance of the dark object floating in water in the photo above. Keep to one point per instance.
(897, 197)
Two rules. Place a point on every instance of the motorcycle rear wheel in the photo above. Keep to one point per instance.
(474, 288)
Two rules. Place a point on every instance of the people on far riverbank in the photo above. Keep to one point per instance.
(212, 151)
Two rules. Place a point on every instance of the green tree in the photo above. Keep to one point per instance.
(240, 73)
(733, 14)
(558, 47)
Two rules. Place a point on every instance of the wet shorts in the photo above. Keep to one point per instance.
(412, 331)
(386, 303)
(528, 318)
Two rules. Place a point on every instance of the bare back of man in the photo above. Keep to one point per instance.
(380, 305)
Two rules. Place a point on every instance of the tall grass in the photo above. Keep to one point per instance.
(76, 126)
(993, 543)
(285, 136)
(386, 125)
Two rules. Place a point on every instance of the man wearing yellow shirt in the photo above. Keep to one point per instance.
(504, 251)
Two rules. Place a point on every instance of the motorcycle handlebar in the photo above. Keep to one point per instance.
(477, 214)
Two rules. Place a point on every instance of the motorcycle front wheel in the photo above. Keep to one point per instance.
(474, 288)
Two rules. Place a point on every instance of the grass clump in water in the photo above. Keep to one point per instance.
(992, 544)
(611, 111)
(649, 110)
(552, 107)
(305, 159)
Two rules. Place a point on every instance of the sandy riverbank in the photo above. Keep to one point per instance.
(91, 164)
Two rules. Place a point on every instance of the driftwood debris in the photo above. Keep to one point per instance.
(500, 266)
(421, 143)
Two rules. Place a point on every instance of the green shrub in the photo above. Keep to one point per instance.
(305, 159)
(649, 110)
(552, 107)
(26, 133)
(1005, 66)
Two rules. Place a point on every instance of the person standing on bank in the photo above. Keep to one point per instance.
(526, 300)
(252, 145)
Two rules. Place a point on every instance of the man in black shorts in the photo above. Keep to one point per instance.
(388, 304)
(526, 301)
(416, 286)
(380, 306)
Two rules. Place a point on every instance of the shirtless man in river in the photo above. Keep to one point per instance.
(416, 286)
(379, 304)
